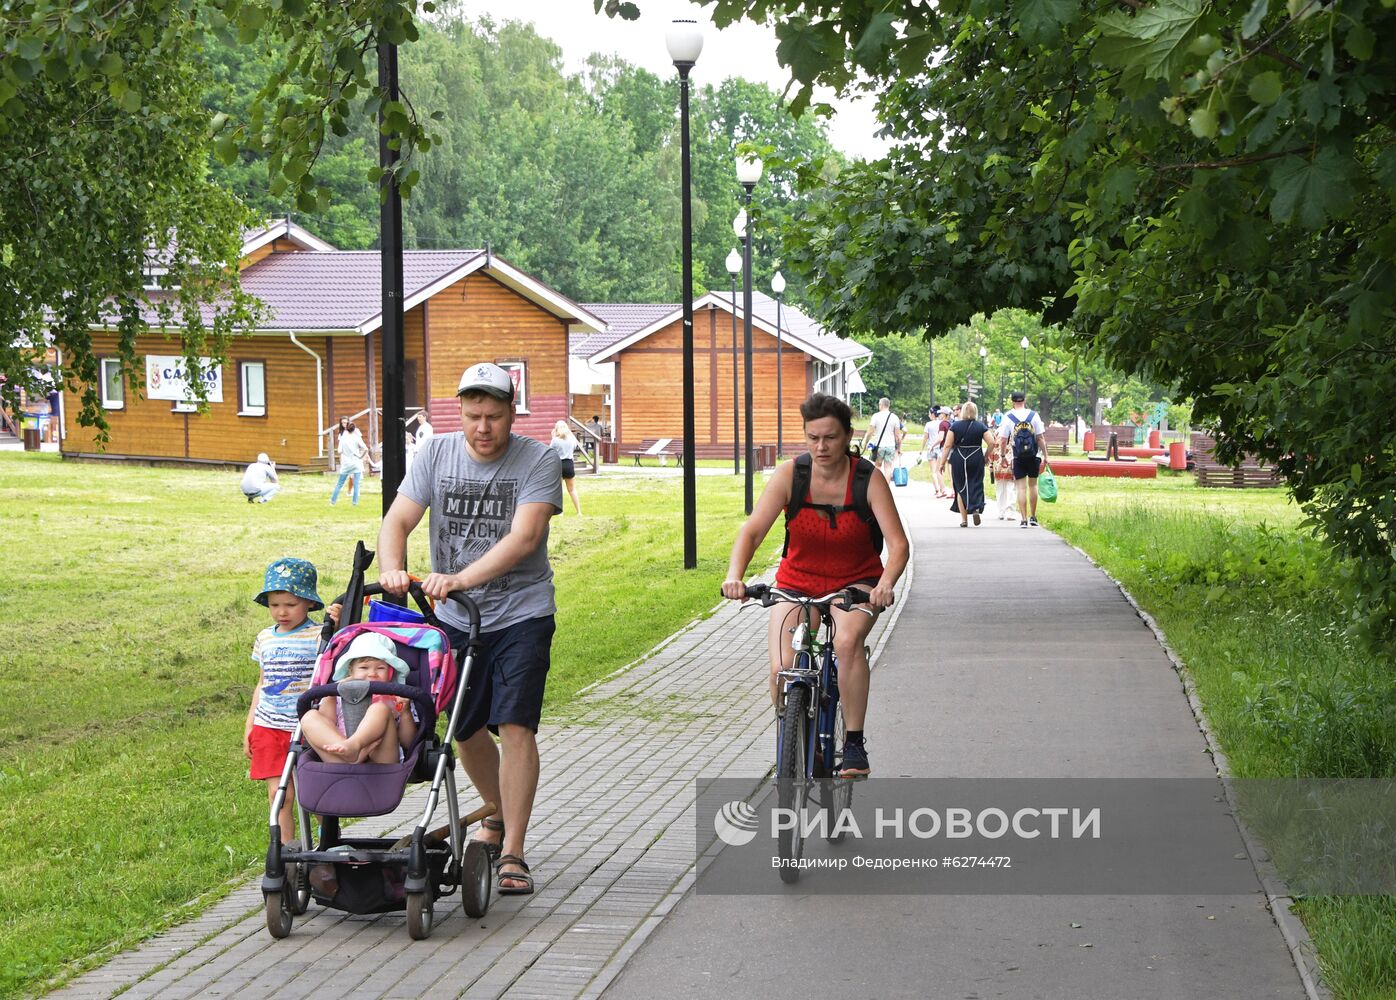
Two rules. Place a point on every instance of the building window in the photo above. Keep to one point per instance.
(252, 389)
(113, 389)
(184, 406)
(518, 371)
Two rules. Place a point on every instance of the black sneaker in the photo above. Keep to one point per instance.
(1032, 522)
(1024, 524)
(855, 761)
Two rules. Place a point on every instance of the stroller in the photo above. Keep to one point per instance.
(376, 875)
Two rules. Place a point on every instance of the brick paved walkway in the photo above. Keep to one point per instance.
(611, 844)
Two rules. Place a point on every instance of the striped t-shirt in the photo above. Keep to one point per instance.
(287, 661)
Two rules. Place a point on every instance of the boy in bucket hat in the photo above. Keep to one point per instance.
(352, 728)
(285, 654)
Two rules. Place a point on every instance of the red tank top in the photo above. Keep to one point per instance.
(824, 557)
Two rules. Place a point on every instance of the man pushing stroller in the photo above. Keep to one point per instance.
(491, 494)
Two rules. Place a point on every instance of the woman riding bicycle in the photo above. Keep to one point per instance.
(830, 547)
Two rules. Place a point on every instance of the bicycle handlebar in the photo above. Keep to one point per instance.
(769, 595)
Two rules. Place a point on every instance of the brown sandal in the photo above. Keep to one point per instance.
(496, 826)
(502, 876)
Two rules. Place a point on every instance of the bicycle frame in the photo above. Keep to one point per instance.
(822, 682)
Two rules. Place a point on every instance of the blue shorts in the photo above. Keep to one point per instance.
(1026, 468)
(507, 678)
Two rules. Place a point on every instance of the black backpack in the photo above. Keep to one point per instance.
(1024, 440)
(862, 474)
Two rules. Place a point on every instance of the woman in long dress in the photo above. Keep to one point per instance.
(964, 449)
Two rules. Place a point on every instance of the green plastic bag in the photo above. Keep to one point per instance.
(1047, 486)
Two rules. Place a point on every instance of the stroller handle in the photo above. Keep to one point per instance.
(415, 589)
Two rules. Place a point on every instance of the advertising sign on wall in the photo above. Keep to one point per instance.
(166, 378)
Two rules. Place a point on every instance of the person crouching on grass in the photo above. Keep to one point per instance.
(285, 653)
(383, 727)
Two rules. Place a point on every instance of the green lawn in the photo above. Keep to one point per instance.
(125, 626)
(1255, 609)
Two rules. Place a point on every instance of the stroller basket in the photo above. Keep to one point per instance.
(376, 887)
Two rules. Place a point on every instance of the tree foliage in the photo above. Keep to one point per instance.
(105, 182)
(1203, 190)
(126, 125)
(104, 187)
(575, 178)
(1054, 371)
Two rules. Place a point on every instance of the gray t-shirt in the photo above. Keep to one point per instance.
(472, 506)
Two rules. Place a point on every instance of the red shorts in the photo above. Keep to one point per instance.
(269, 749)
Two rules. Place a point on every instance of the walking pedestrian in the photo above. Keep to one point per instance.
(939, 426)
(352, 452)
(491, 494)
(565, 443)
(964, 448)
(885, 432)
(1028, 444)
(1002, 463)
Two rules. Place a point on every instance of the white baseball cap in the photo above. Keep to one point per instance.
(487, 378)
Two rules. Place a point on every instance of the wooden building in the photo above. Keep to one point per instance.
(318, 356)
(643, 344)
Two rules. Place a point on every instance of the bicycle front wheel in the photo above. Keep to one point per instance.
(791, 785)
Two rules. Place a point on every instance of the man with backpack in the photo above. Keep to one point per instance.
(1024, 433)
(885, 432)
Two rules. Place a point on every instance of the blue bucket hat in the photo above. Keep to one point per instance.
(296, 577)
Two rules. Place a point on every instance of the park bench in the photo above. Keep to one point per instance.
(1250, 474)
(655, 448)
(1057, 440)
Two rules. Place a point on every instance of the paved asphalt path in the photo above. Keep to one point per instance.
(1013, 657)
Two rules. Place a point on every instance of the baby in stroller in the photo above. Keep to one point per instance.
(354, 727)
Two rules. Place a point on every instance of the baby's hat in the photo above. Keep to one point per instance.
(374, 646)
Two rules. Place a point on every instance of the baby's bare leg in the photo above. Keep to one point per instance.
(377, 721)
(387, 749)
(328, 741)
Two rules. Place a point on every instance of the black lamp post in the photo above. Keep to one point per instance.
(734, 268)
(748, 173)
(778, 286)
(1024, 345)
(390, 262)
(931, 374)
(685, 42)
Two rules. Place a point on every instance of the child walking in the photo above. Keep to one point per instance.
(285, 653)
(351, 729)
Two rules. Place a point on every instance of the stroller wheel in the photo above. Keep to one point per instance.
(419, 915)
(278, 916)
(476, 879)
(298, 887)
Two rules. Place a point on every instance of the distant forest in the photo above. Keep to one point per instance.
(574, 178)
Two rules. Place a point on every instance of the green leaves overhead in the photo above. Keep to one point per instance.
(1311, 192)
(1202, 191)
(1152, 43)
(1041, 21)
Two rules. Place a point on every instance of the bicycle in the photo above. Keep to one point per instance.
(812, 731)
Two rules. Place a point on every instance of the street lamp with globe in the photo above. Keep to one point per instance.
(748, 174)
(685, 42)
(734, 268)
